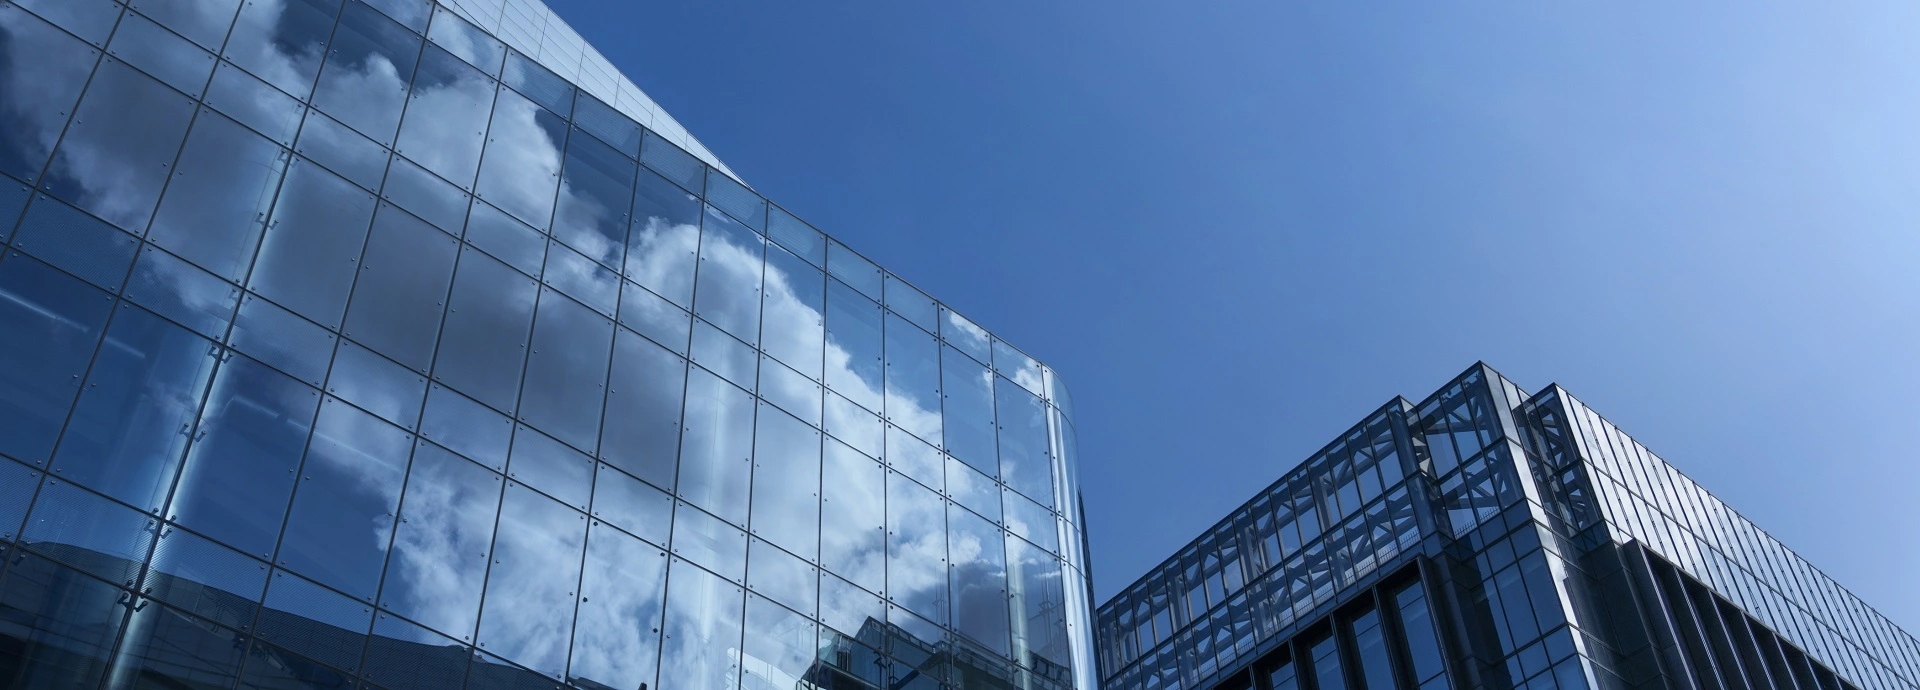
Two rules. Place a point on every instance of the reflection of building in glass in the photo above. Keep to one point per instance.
(1485, 538)
(406, 344)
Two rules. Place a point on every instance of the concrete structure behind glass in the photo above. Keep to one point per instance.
(379, 343)
(1485, 538)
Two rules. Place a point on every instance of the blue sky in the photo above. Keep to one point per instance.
(1236, 227)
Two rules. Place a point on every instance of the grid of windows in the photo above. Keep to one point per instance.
(346, 341)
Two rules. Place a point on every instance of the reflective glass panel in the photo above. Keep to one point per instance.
(364, 83)
(979, 578)
(454, 34)
(616, 638)
(567, 372)
(186, 566)
(252, 102)
(608, 124)
(76, 243)
(283, 42)
(728, 289)
(736, 200)
(241, 468)
(282, 339)
(506, 239)
(312, 249)
(204, 22)
(789, 390)
(551, 467)
(217, 205)
(641, 433)
(446, 123)
(856, 427)
(485, 336)
(1020, 368)
(853, 269)
(725, 355)
(1038, 601)
(632, 505)
(295, 605)
(54, 321)
(344, 507)
(159, 52)
(1025, 462)
(709, 542)
(797, 236)
(79, 618)
(342, 150)
(424, 195)
(782, 577)
(703, 623)
(128, 432)
(443, 543)
(853, 517)
(39, 99)
(969, 425)
(963, 334)
(716, 450)
(521, 167)
(853, 361)
(654, 317)
(779, 646)
(1032, 522)
(663, 244)
(582, 279)
(539, 84)
(792, 324)
(377, 384)
(911, 303)
(596, 192)
(916, 548)
(528, 614)
(404, 655)
(786, 482)
(89, 19)
(913, 380)
(466, 427)
(116, 154)
(89, 532)
(402, 288)
(182, 292)
(910, 456)
(411, 13)
(976, 491)
(676, 165)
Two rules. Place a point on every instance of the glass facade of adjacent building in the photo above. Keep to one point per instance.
(380, 343)
(1485, 538)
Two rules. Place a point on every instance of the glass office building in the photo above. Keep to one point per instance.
(400, 344)
(1485, 538)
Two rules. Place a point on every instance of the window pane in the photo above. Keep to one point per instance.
(616, 641)
(728, 293)
(216, 206)
(1032, 522)
(916, 548)
(792, 321)
(283, 41)
(853, 361)
(915, 459)
(797, 236)
(664, 240)
(76, 243)
(312, 248)
(443, 542)
(506, 239)
(641, 433)
(53, 322)
(782, 577)
(182, 292)
(421, 193)
(466, 427)
(710, 542)
(446, 123)
(89, 532)
(402, 288)
(114, 158)
(786, 482)
(293, 608)
(39, 104)
(725, 355)
(582, 279)
(1038, 601)
(675, 164)
(853, 518)
(632, 505)
(608, 124)
(567, 372)
(485, 336)
(544, 87)
(159, 52)
(466, 40)
(911, 303)
(528, 615)
(854, 426)
(853, 269)
(1370, 643)
(344, 507)
(395, 658)
(91, 20)
(596, 191)
(205, 578)
(969, 428)
(703, 624)
(521, 168)
(342, 150)
(779, 646)
(66, 623)
(913, 380)
(979, 579)
(364, 83)
(550, 467)
(1326, 665)
(127, 434)
(716, 449)
(240, 471)
(654, 317)
(976, 491)
(789, 390)
(1025, 462)
(255, 104)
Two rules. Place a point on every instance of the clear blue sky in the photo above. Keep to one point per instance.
(1236, 227)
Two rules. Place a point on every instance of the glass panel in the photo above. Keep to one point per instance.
(466, 427)
(159, 52)
(709, 542)
(853, 361)
(16, 491)
(632, 505)
(596, 191)
(979, 579)
(205, 578)
(664, 240)
(77, 243)
(403, 655)
(1416, 622)
(616, 640)
(544, 87)
(857, 427)
(67, 639)
(342, 150)
(916, 548)
(1020, 368)
(1326, 665)
(779, 647)
(608, 124)
(38, 105)
(411, 13)
(703, 623)
(567, 372)
(728, 290)
(53, 322)
(282, 340)
(716, 449)
(853, 269)
(364, 83)
(797, 236)
(910, 302)
(88, 532)
(317, 623)
(915, 459)
(1037, 597)
(654, 317)
(89, 19)
(641, 433)
(114, 158)
(962, 334)
(913, 380)
(722, 354)
(216, 207)
(853, 518)
(786, 482)
(676, 165)
(255, 104)
(343, 509)
(782, 577)
(1370, 643)
(443, 543)
(551, 467)
(969, 425)
(446, 123)
(126, 436)
(789, 390)
(521, 167)
(1032, 522)
(971, 489)
(736, 200)
(205, 22)
(791, 322)
(1025, 461)
(488, 319)
(179, 291)
(509, 240)
(426, 196)
(241, 468)
(312, 248)
(272, 667)
(465, 40)
(402, 287)
(283, 42)
(528, 614)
